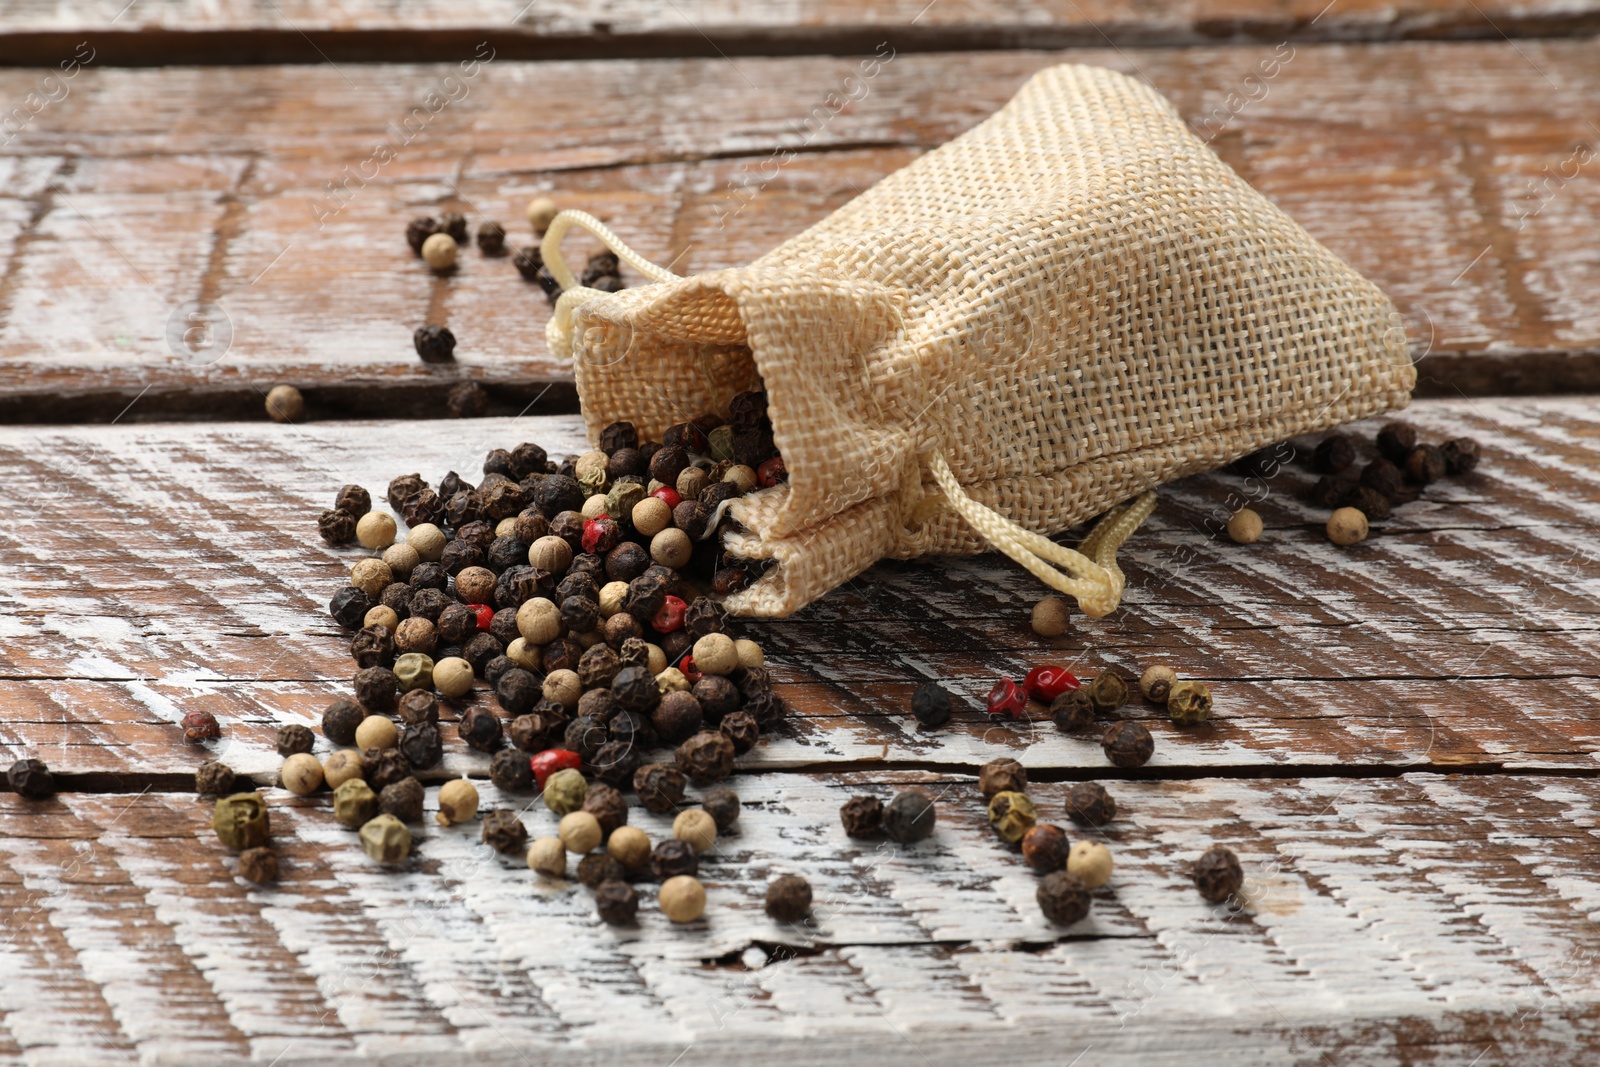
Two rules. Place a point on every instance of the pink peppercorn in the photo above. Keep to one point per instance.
(1006, 700)
(772, 472)
(600, 535)
(552, 760)
(485, 616)
(1047, 682)
(670, 617)
(690, 671)
(668, 495)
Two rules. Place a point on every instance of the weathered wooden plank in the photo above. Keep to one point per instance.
(363, 31)
(1383, 920)
(1448, 173)
(154, 570)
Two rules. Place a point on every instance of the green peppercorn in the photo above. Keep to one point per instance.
(354, 803)
(564, 791)
(621, 498)
(386, 839)
(1108, 690)
(1189, 703)
(1012, 815)
(241, 821)
(414, 671)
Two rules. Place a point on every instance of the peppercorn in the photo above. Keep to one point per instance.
(1063, 898)
(341, 766)
(384, 767)
(381, 618)
(659, 787)
(509, 770)
(1245, 527)
(1006, 700)
(1128, 744)
(422, 509)
(454, 675)
(1045, 847)
(434, 343)
(377, 688)
(597, 868)
(241, 821)
(372, 646)
(742, 729)
(862, 816)
(1333, 454)
(458, 802)
(378, 732)
(1460, 455)
(1371, 503)
(562, 686)
(682, 898)
(565, 790)
(419, 706)
(1051, 617)
(336, 527)
(30, 778)
(788, 898)
(1156, 683)
(371, 576)
(1217, 874)
(1425, 464)
(301, 774)
(1385, 477)
(1347, 526)
(1108, 690)
(375, 530)
(1001, 776)
(697, 827)
(1090, 861)
(1012, 815)
(419, 230)
(706, 757)
(580, 832)
(201, 726)
(386, 839)
(402, 799)
(503, 831)
(930, 705)
(285, 404)
(293, 738)
(1331, 491)
(491, 238)
(910, 816)
(258, 865)
(548, 856)
(439, 252)
(1072, 710)
(607, 805)
(413, 671)
(211, 779)
(480, 729)
(1396, 440)
(468, 400)
(1088, 804)
(529, 261)
(1189, 703)
(718, 696)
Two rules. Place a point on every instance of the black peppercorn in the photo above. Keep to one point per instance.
(626, 463)
(635, 689)
(496, 668)
(479, 650)
(1395, 441)
(1217, 874)
(788, 899)
(659, 787)
(1333, 454)
(480, 728)
(1072, 710)
(712, 496)
(293, 738)
(577, 584)
(468, 400)
(503, 831)
(372, 646)
(909, 817)
(579, 614)
(597, 868)
(434, 343)
(1128, 744)
(349, 607)
(646, 595)
(677, 717)
(706, 757)
(768, 709)
(1045, 847)
(930, 705)
(30, 778)
(563, 654)
(336, 527)
(673, 857)
(421, 745)
(213, 779)
(1003, 775)
(557, 493)
(723, 806)
(862, 816)
(614, 900)
(704, 616)
(423, 506)
(1063, 898)
(631, 727)
(377, 689)
(752, 681)
(584, 736)
(491, 238)
(1331, 491)
(396, 596)
(404, 486)
(606, 804)
(718, 696)
(568, 525)
(459, 554)
(510, 771)
(455, 224)
(530, 732)
(1385, 477)
(742, 729)
(529, 262)
(1371, 503)
(384, 767)
(259, 865)
(419, 706)
(1088, 804)
(419, 230)
(668, 463)
(1460, 455)
(339, 721)
(619, 628)
(402, 799)
(675, 645)
(615, 762)
(747, 411)
(1425, 464)
(429, 603)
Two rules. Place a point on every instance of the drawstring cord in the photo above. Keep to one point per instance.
(1090, 574)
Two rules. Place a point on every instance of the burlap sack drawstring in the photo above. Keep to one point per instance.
(1096, 581)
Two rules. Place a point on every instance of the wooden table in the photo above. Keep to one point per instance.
(1404, 752)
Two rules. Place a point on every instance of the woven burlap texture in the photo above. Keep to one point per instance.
(1073, 302)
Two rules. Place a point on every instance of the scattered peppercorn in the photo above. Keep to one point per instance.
(1090, 861)
(580, 832)
(862, 816)
(1128, 744)
(1108, 690)
(1051, 617)
(301, 774)
(341, 766)
(354, 803)
(293, 738)
(467, 400)
(419, 230)
(386, 839)
(723, 806)
(1347, 526)
(548, 856)
(336, 527)
(1006, 700)
(909, 817)
(211, 779)
(458, 802)
(1002, 775)
(480, 728)
(1217, 874)
(259, 865)
(682, 898)
(1088, 804)
(285, 404)
(503, 831)
(1156, 683)
(706, 757)
(241, 821)
(402, 799)
(1189, 703)
(1245, 527)
(1396, 440)
(673, 857)
(930, 705)
(1460, 455)
(376, 731)
(510, 771)
(788, 898)
(434, 343)
(607, 804)
(1333, 454)
(491, 238)
(1012, 815)
(614, 900)
(1045, 847)
(1063, 898)
(1072, 710)
(30, 778)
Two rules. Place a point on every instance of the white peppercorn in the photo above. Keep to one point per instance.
(377, 731)
(439, 251)
(452, 676)
(671, 548)
(651, 515)
(548, 856)
(682, 898)
(1347, 526)
(541, 211)
(428, 541)
(458, 802)
(716, 654)
(563, 687)
(1090, 861)
(1245, 528)
(580, 832)
(401, 559)
(697, 827)
(342, 766)
(370, 576)
(285, 404)
(749, 653)
(382, 615)
(629, 846)
(375, 530)
(301, 774)
(1051, 617)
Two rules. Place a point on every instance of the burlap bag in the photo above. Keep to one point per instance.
(1056, 311)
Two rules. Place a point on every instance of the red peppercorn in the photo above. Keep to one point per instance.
(772, 472)
(670, 617)
(201, 726)
(552, 760)
(485, 616)
(1046, 683)
(1006, 700)
(669, 495)
(690, 671)
(600, 535)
